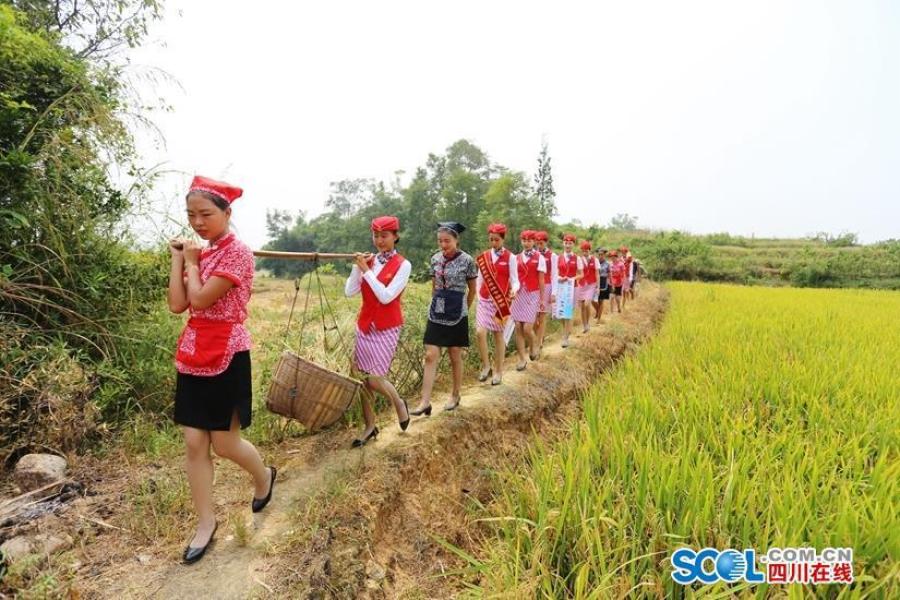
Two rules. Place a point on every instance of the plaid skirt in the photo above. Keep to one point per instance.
(548, 291)
(484, 318)
(375, 350)
(525, 306)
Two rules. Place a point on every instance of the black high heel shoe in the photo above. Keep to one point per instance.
(405, 424)
(372, 434)
(421, 411)
(260, 503)
(192, 555)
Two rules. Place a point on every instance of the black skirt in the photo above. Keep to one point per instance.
(448, 336)
(209, 402)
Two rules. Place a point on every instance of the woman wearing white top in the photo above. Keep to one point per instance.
(497, 285)
(569, 271)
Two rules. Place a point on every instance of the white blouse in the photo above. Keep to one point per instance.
(385, 293)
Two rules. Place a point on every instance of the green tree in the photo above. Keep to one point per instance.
(624, 222)
(71, 290)
(543, 184)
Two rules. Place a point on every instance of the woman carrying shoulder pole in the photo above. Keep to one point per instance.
(213, 389)
(381, 280)
(453, 290)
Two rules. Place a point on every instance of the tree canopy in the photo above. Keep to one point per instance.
(462, 184)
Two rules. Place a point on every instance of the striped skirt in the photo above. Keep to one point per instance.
(548, 289)
(525, 306)
(375, 350)
(585, 293)
(485, 315)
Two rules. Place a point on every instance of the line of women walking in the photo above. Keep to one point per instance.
(515, 294)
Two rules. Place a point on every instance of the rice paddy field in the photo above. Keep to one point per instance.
(757, 418)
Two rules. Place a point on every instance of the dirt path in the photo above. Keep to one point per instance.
(366, 523)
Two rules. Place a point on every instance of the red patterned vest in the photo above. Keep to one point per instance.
(590, 271)
(567, 267)
(548, 256)
(385, 316)
(501, 268)
(528, 271)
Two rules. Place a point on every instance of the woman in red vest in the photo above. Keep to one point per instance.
(213, 387)
(498, 282)
(569, 267)
(541, 242)
(587, 287)
(626, 259)
(381, 278)
(529, 301)
(616, 281)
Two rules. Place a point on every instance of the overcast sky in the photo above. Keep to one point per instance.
(767, 118)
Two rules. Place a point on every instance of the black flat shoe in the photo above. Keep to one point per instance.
(405, 424)
(260, 503)
(192, 555)
(357, 443)
(421, 411)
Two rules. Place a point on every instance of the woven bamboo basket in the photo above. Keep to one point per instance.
(311, 394)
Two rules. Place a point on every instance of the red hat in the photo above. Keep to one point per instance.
(585, 245)
(227, 192)
(613, 253)
(528, 234)
(624, 248)
(386, 224)
(570, 237)
(541, 236)
(498, 228)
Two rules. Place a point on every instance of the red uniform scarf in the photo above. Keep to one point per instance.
(489, 275)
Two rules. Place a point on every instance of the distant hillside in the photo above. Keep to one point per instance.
(820, 262)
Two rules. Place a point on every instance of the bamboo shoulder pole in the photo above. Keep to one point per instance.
(308, 256)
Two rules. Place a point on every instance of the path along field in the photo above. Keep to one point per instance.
(756, 418)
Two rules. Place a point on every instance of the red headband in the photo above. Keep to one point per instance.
(569, 237)
(227, 192)
(585, 245)
(386, 224)
(541, 236)
(528, 234)
(498, 228)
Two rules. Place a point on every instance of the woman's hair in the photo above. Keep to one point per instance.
(452, 232)
(220, 202)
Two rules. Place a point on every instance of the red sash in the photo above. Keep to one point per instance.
(489, 274)
(204, 344)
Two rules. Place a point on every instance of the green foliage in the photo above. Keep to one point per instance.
(72, 293)
(461, 185)
(623, 221)
(675, 255)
